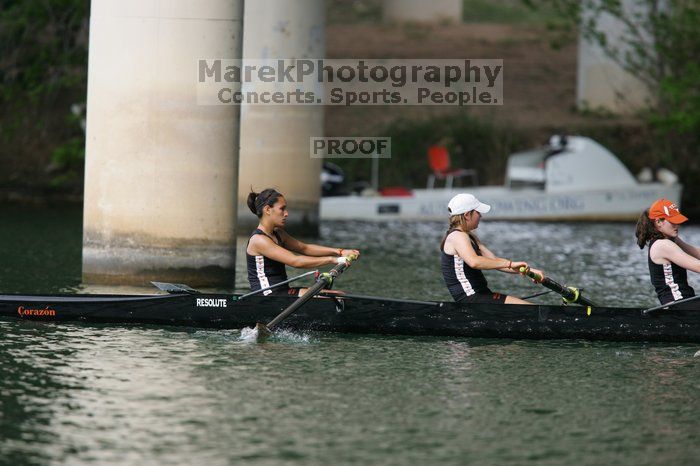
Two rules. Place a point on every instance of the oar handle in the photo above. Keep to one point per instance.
(529, 273)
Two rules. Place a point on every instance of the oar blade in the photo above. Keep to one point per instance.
(174, 288)
(263, 332)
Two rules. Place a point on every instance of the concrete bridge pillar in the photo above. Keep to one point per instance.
(160, 170)
(275, 138)
(601, 82)
(422, 11)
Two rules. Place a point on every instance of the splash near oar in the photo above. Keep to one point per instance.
(324, 280)
(570, 294)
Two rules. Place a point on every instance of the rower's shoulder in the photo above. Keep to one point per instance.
(454, 233)
(660, 249)
(258, 239)
(663, 243)
(455, 237)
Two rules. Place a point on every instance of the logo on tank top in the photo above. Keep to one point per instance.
(671, 283)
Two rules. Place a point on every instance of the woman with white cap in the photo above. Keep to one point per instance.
(463, 256)
(669, 256)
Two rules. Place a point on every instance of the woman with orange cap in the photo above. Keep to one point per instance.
(669, 256)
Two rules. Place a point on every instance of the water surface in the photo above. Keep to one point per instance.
(101, 395)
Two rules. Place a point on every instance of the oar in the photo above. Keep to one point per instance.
(323, 281)
(570, 294)
(536, 295)
(542, 293)
(380, 299)
(666, 306)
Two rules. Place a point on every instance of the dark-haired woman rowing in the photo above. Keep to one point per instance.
(669, 257)
(270, 247)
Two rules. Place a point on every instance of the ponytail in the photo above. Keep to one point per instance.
(646, 231)
(257, 201)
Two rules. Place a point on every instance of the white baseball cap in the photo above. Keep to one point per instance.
(464, 202)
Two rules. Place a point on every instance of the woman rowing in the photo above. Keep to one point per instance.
(669, 257)
(270, 247)
(463, 256)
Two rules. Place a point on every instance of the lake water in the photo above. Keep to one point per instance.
(92, 394)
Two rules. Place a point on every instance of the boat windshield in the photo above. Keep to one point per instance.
(526, 169)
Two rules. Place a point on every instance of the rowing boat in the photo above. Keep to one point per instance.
(363, 314)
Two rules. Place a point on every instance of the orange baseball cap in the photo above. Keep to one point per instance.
(663, 208)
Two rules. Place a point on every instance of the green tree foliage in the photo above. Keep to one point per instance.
(43, 48)
(660, 45)
(657, 38)
(43, 70)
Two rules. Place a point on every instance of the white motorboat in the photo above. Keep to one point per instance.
(572, 179)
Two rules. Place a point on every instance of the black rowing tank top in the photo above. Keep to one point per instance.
(462, 280)
(670, 280)
(264, 272)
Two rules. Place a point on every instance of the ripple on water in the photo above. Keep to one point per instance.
(183, 396)
(76, 394)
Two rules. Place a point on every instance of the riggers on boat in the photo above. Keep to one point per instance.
(364, 314)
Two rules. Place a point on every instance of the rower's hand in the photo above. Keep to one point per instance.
(350, 252)
(346, 259)
(538, 272)
(517, 265)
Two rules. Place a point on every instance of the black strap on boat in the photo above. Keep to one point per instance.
(668, 305)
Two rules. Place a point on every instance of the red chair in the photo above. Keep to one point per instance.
(439, 161)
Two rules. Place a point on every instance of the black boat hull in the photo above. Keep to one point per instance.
(363, 315)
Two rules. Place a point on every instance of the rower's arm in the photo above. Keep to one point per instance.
(315, 250)
(687, 248)
(264, 246)
(464, 248)
(486, 252)
(667, 251)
